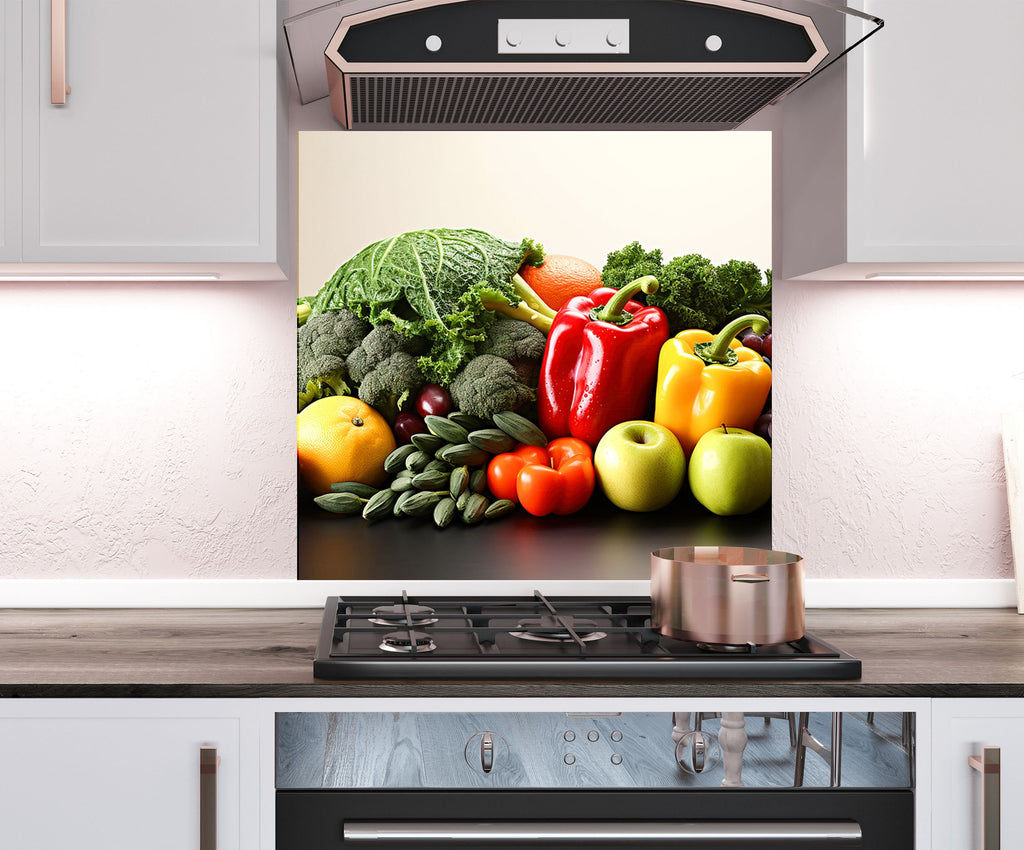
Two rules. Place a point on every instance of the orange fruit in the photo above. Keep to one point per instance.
(342, 439)
(561, 277)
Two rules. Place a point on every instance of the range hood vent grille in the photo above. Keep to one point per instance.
(411, 101)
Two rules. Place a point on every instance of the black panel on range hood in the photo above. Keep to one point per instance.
(563, 64)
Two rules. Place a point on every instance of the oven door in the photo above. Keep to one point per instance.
(871, 819)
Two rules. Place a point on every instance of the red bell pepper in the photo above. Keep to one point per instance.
(601, 362)
(556, 480)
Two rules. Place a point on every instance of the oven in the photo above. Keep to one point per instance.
(547, 779)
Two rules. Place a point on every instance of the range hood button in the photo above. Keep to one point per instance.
(513, 38)
(563, 38)
(433, 43)
(713, 43)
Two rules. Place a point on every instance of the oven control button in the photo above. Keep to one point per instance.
(616, 736)
(486, 752)
(616, 758)
(569, 758)
(569, 736)
(593, 735)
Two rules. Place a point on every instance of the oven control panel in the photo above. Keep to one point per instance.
(539, 750)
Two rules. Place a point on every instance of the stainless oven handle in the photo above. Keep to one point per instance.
(987, 764)
(695, 834)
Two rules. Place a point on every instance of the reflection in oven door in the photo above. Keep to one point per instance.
(540, 780)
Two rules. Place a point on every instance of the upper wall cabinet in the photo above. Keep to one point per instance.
(906, 157)
(10, 132)
(168, 147)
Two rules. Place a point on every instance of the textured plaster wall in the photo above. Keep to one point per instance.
(147, 430)
(887, 447)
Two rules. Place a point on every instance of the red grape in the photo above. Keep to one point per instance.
(753, 342)
(766, 346)
(763, 427)
(433, 400)
(407, 424)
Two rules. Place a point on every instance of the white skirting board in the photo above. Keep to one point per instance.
(281, 593)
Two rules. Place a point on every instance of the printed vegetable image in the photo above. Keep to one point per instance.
(443, 284)
(556, 479)
(435, 383)
(705, 381)
(601, 362)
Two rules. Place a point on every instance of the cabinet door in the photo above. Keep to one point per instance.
(935, 169)
(960, 729)
(106, 774)
(165, 149)
(10, 131)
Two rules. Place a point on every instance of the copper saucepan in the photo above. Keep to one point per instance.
(727, 595)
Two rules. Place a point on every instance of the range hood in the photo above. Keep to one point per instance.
(562, 64)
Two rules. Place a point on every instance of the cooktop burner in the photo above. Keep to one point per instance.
(538, 637)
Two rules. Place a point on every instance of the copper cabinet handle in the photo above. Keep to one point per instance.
(208, 764)
(987, 764)
(59, 88)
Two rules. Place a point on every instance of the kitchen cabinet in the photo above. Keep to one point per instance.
(960, 729)
(10, 136)
(123, 774)
(905, 157)
(169, 148)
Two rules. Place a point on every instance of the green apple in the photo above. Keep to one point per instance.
(640, 465)
(731, 471)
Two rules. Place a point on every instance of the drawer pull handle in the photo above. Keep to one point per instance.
(209, 761)
(59, 88)
(987, 764)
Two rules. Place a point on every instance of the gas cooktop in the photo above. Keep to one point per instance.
(538, 637)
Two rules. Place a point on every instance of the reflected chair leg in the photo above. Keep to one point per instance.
(832, 753)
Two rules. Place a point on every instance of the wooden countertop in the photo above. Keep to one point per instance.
(269, 653)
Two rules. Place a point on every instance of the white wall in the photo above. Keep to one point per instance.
(147, 430)
(886, 441)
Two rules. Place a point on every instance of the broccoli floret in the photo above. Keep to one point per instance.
(323, 343)
(377, 346)
(487, 385)
(520, 343)
(392, 384)
(693, 292)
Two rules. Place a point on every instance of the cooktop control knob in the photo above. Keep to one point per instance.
(486, 752)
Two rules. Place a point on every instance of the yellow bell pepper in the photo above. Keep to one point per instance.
(705, 381)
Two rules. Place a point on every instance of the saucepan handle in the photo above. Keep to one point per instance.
(751, 578)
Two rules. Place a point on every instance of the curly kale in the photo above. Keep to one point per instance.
(518, 342)
(487, 385)
(693, 291)
(323, 342)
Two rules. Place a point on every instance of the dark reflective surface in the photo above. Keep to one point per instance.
(598, 543)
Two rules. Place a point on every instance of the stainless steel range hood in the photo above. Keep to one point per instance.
(561, 64)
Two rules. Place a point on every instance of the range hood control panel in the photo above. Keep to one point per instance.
(539, 36)
(523, 31)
